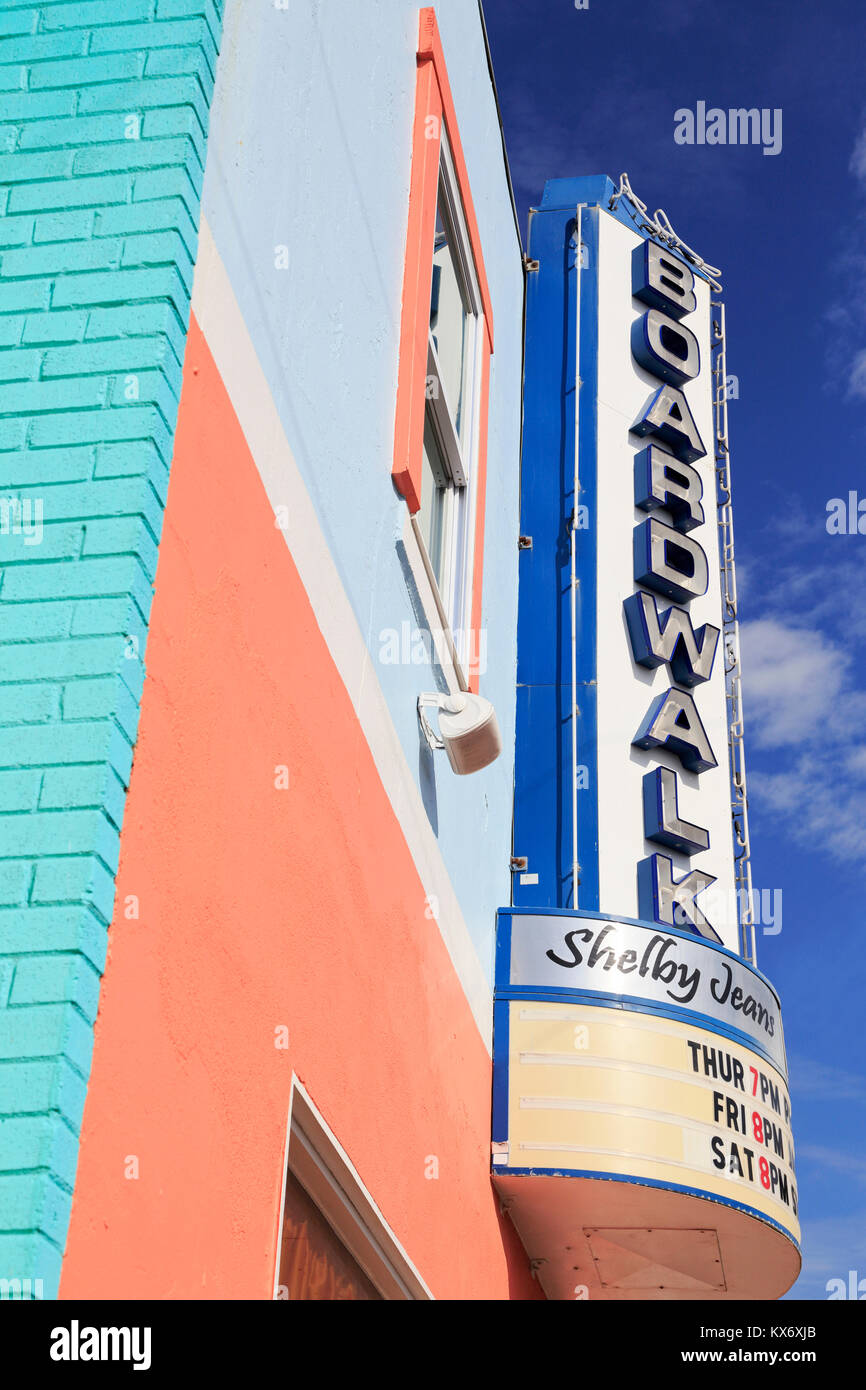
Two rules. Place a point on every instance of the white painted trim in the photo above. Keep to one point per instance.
(312, 1149)
(432, 606)
(219, 316)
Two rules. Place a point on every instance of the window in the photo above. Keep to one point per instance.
(446, 339)
(314, 1263)
(450, 414)
(334, 1242)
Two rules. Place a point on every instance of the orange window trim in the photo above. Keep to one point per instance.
(433, 105)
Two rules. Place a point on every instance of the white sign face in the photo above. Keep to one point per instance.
(555, 951)
(664, 800)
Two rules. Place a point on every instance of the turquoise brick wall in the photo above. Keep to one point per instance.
(103, 126)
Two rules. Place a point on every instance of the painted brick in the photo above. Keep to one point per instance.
(152, 387)
(167, 34)
(80, 879)
(85, 741)
(93, 12)
(98, 245)
(35, 48)
(210, 12)
(65, 226)
(65, 788)
(11, 330)
(71, 831)
(176, 120)
(158, 248)
(45, 1030)
(12, 434)
(34, 1088)
(19, 366)
(165, 183)
(66, 928)
(94, 426)
(33, 467)
(104, 697)
(31, 1258)
(19, 22)
(91, 617)
(21, 1194)
(27, 294)
(122, 355)
(119, 460)
(54, 979)
(70, 193)
(81, 501)
(24, 168)
(16, 231)
(30, 397)
(35, 1141)
(30, 622)
(136, 154)
(19, 791)
(12, 79)
(117, 575)
(60, 258)
(169, 214)
(35, 540)
(136, 319)
(66, 327)
(30, 703)
(82, 130)
(144, 95)
(15, 878)
(79, 72)
(80, 656)
(121, 536)
(120, 286)
(36, 106)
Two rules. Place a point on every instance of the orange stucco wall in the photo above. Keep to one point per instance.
(258, 908)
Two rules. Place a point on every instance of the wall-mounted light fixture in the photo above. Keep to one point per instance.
(468, 730)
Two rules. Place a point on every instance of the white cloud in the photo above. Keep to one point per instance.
(836, 1160)
(792, 679)
(858, 157)
(802, 703)
(831, 1248)
(857, 375)
(816, 1080)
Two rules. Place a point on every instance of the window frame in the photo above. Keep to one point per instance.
(438, 160)
(319, 1163)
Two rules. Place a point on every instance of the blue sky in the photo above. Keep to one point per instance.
(594, 91)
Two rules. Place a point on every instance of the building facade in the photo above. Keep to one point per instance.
(264, 389)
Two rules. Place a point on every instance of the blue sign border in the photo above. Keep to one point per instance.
(504, 990)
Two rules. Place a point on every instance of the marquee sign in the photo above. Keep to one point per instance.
(624, 654)
(641, 1129)
(630, 962)
(670, 561)
(634, 1096)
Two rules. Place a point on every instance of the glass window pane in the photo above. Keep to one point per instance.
(434, 487)
(449, 317)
